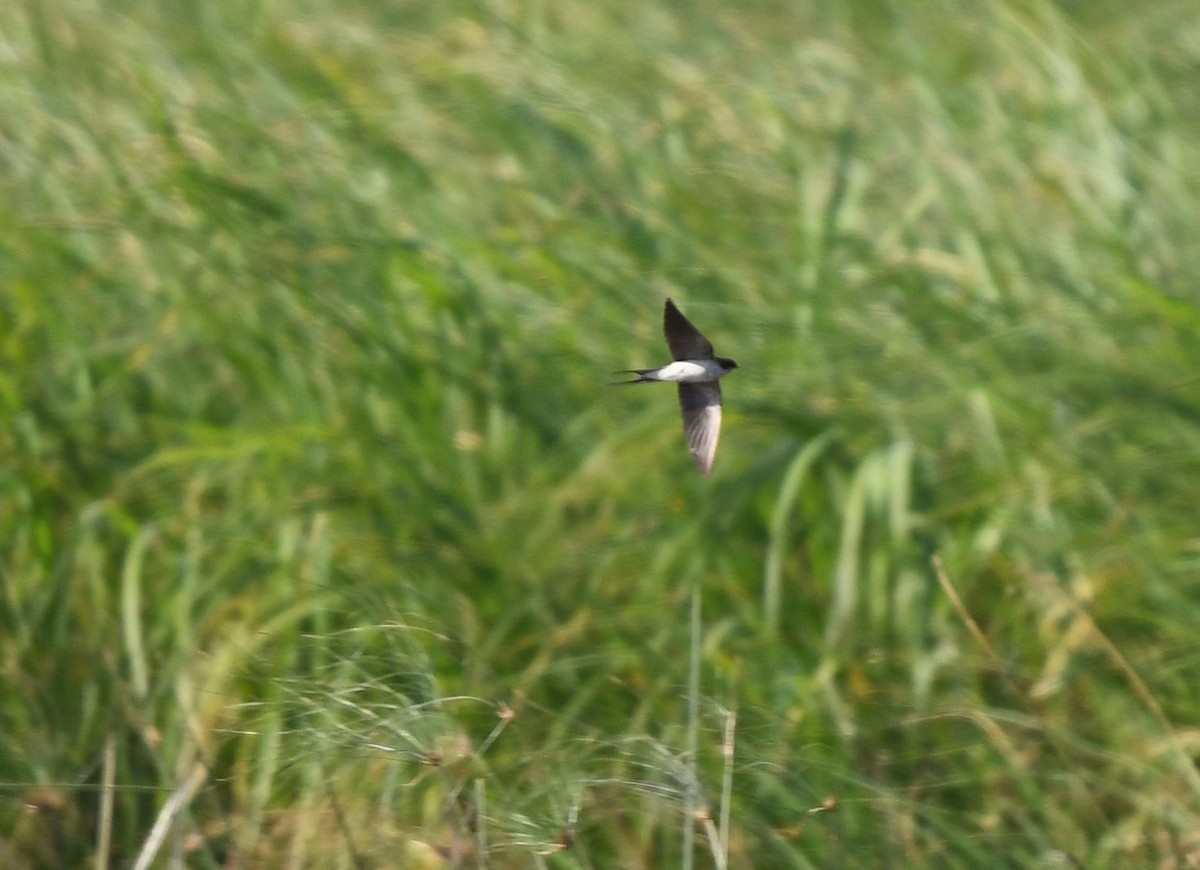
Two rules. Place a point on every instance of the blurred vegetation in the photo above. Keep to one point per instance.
(324, 544)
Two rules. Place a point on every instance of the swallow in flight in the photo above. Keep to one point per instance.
(696, 369)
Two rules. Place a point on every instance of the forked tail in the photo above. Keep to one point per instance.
(640, 379)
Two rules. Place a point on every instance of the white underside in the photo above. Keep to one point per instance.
(686, 371)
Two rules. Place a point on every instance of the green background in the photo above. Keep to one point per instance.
(323, 542)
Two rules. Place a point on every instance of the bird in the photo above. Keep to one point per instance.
(696, 369)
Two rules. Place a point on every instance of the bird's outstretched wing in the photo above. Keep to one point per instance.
(701, 406)
(684, 340)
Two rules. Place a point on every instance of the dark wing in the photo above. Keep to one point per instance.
(701, 405)
(684, 340)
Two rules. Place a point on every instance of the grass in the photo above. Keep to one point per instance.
(323, 543)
